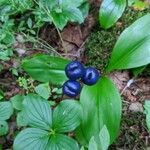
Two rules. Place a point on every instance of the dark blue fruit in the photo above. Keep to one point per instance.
(74, 70)
(91, 76)
(71, 88)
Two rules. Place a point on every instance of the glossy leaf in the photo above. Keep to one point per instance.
(37, 139)
(6, 110)
(104, 138)
(3, 128)
(132, 49)
(31, 139)
(92, 144)
(101, 106)
(74, 15)
(38, 112)
(85, 9)
(43, 90)
(110, 12)
(22, 119)
(46, 68)
(67, 116)
(62, 142)
(59, 19)
(17, 101)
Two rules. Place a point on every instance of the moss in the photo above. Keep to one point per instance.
(101, 42)
(99, 49)
(133, 132)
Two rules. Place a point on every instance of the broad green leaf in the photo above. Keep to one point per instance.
(101, 106)
(46, 68)
(31, 139)
(3, 128)
(132, 49)
(6, 110)
(62, 142)
(38, 112)
(110, 12)
(17, 101)
(104, 138)
(43, 90)
(74, 15)
(60, 12)
(59, 19)
(92, 144)
(22, 119)
(84, 8)
(147, 111)
(67, 116)
(37, 139)
(65, 11)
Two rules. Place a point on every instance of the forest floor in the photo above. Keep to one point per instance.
(93, 46)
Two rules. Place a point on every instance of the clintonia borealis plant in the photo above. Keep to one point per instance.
(95, 118)
(47, 126)
(99, 98)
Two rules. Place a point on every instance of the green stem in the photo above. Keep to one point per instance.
(47, 11)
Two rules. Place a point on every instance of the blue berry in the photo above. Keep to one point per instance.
(91, 76)
(71, 88)
(74, 70)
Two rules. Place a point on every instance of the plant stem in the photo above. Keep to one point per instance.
(47, 11)
(62, 41)
(46, 45)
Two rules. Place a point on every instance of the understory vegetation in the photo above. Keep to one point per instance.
(74, 75)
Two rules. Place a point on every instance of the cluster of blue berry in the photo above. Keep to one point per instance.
(75, 71)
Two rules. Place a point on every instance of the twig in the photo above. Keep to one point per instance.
(38, 40)
(127, 85)
(62, 41)
(47, 11)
